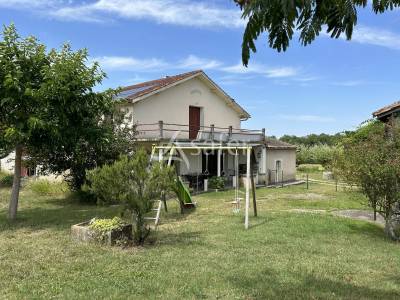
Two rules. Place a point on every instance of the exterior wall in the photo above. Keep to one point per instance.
(288, 159)
(172, 106)
(7, 163)
(192, 162)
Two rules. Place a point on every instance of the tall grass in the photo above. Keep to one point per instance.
(6, 179)
(44, 187)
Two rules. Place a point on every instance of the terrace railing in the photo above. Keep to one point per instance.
(181, 132)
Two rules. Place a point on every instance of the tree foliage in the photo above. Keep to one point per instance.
(313, 139)
(50, 112)
(135, 184)
(371, 159)
(280, 19)
(317, 154)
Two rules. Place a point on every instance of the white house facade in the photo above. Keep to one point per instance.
(192, 114)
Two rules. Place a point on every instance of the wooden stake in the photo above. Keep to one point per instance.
(253, 189)
(246, 217)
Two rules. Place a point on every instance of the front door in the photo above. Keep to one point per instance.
(194, 122)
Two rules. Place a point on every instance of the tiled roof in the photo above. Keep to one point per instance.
(133, 92)
(277, 144)
(387, 109)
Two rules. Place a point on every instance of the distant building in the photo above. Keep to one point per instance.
(385, 114)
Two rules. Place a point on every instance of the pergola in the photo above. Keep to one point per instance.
(218, 147)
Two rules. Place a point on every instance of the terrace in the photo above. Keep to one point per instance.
(185, 132)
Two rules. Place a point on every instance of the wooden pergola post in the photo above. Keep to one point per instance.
(219, 163)
(246, 217)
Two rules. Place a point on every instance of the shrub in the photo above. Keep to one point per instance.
(45, 187)
(6, 180)
(133, 183)
(310, 168)
(217, 183)
(318, 154)
(101, 227)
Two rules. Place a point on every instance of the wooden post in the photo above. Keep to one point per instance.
(219, 163)
(282, 179)
(336, 185)
(153, 151)
(246, 217)
(164, 200)
(160, 156)
(171, 154)
(161, 128)
(253, 189)
(307, 181)
(212, 129)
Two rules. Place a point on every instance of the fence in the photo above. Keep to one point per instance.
(333, 183)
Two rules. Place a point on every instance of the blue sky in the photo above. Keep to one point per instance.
(329, 86)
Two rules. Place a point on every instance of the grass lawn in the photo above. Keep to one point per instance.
(204, 254)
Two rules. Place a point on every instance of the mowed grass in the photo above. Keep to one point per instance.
(204, 254)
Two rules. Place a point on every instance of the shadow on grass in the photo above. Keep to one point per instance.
(367, 229)
(60, 217)
(59, 213)
(268, 284)
(181, 238)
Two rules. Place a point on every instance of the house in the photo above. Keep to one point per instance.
(192, 114)
(385, 114)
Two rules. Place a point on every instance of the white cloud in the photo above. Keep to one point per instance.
(377, 37)
(372, 36)
(21, 4)
(270, 72)
(234, 74)
(307, 118)
(126, 63)
(349, 83)
(195, 62)
(181, 12)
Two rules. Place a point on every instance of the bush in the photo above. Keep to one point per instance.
(45, 187)
(6, 180)
(217, 183)
(101, 227)
(310, 168)
(133, 183)
(318, 154)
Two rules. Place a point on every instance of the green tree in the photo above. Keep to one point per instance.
(282, 18)
(313, 139)
(49, 111)
(370, 159)
(317, 154)
(21, 110)
(135, 184)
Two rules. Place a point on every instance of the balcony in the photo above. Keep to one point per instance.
(179, 132)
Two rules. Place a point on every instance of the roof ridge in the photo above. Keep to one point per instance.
(160, 80)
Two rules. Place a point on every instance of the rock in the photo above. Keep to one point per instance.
(327, 175)
(392, 227)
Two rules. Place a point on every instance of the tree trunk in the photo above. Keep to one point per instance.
(13, 207)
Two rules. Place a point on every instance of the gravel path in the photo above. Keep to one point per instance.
(360, 215)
